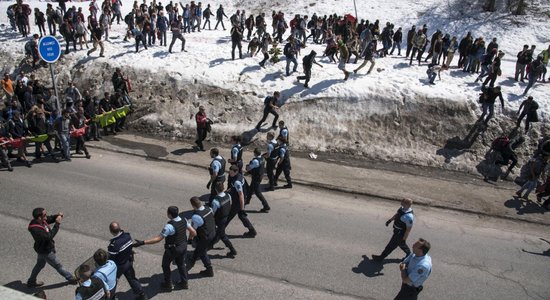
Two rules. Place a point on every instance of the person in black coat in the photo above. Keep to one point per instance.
(397, 39)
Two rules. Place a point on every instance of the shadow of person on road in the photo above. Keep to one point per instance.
(545, 253)
(22, 287)
(523, 206)
(371, 268)
(183, 151)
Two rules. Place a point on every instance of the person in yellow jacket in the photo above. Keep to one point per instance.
(545, 58)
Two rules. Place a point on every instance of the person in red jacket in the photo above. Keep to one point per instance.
(44, 245)
(202, 127)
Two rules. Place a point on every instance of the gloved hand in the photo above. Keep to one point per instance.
(138, 243)
(208, 185)
(388, 223)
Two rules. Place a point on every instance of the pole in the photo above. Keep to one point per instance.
(356, 15)
(55, 90)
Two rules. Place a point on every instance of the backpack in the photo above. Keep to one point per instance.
(128, 19)
(28, 48)
(500, 143)
(286, 50)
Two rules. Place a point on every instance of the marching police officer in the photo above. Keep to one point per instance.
(402, 225)
(205, 230)
(237, 153)
(256, 169)
(271, 159)
(217, 171)
(120, 251)
(415, 269)
(221, 207)
(283, 163)
(235, 187)
(175, 247)
(283, 131)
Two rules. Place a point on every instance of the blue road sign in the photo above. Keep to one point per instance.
(49, 49)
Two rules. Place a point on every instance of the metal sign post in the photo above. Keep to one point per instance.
(50, 51)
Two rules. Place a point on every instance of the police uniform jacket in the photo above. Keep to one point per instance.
(120, 248)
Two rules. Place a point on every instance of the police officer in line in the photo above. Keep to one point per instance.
(256, 169)
(402, 225)
(120, 251)
(205, 230)
(106, 271)
(415, 269)
(271, 159)
(235, 187)
(283, 131)
(90, 287)
(217, 171)
(237, 153)
(221, 207)
(283, 163)
(175, 247)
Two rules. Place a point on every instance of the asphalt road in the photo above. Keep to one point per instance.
(312, 245)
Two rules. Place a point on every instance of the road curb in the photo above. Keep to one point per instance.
(335, 188)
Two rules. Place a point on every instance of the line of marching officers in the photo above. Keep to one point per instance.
(209, 220)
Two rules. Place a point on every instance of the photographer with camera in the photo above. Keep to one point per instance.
(44, 245)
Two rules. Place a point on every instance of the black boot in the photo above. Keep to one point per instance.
(208, 272)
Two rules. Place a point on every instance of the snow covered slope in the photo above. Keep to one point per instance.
(390, 114)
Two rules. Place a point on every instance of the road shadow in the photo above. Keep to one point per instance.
(183, 151)
(18, 285)
(154, 151)
(544, 253)
(523, 206)
(371, 268)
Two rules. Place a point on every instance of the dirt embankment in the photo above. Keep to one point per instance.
(422, 131)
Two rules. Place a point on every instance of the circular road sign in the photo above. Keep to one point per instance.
(49, 49)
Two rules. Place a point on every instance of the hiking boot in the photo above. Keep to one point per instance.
(166, 286)
(377, 258)
(10, 168)
(288, 186)
(35, 284)
(346, 75)
(142, 297)
(182, 285)
(518, 194)
(28, 163)
(232, 253)
(251, 233)
(208, 272)
(265, 209)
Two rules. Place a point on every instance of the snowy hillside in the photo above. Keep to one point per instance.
(391, 114)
